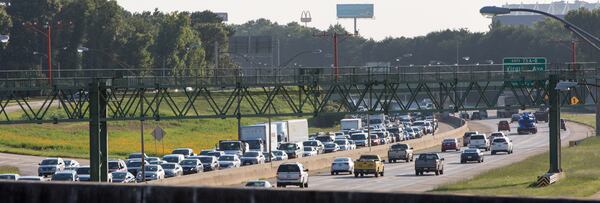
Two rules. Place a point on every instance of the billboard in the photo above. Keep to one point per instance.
(223, 15)
(355, 10)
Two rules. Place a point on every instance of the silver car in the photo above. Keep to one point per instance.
(50, 166)
(229, 161)
(342, 164)
(31, 178)
(84, 173)
(172, 170)
(123, 177)
(70, 176)
(9, 176)
(253, 157)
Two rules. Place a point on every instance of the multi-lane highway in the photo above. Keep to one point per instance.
(401, 176)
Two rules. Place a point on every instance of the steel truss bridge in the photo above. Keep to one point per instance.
(98, 96)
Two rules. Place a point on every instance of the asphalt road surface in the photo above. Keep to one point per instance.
(401, 176)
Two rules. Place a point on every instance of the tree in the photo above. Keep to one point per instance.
(178, 46)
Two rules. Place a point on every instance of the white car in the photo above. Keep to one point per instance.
(279, 155)
(343, 144)
(342, 164)
(9, 176)
(229, 161)
(331, 147)
(259, 184)
(253, 157)
(172, 169)
(31, 178)
(479, 141)
(292, 174)
(71, 163)
(309, 151)
(152, 172)
(502, 144)
(425, 125)
(117, 166)
(184, 151)
(173, 158)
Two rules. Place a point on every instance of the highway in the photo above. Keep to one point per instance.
(400, 177)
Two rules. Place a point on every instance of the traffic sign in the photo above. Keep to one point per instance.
(158, 133)
(522, 64)
(574, 100)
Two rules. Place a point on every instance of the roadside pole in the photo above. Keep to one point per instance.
(142, 133)
(554, 126)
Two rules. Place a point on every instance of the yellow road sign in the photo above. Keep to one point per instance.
(574, 100)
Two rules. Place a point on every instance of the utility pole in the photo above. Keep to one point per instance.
(46, 31)
(335, 37)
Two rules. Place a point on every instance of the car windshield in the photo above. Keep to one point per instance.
(340, 142)
(400, 146)
(119, 175)
(428, 156)
(308, 149)
(360, 136)
(500, 140)
(204, 152)
(477, 137)
(278, 153)
(310, 143)
(288, 146)
(172, 159)
(113, 165)
(251, 154)
(151, 168)
(255, 184)
(468, 134)
(181, 151)
(206, 160)
(62, 176)
(324, 139)
(152, 159)
(394, 130)
(168, 166)
(226, 158)
(189, 162)
(418, 123)
(341, 160)
(215, 154)
(288, 168)
(135, 156)
(67, 162)
(449, 141)
(409, 130)
(229, 146)
(134, 164)
(330, 145)
(7, 177)
(497, 135)
(368, 157)
(470, 151)
(49, 162)
(374, 136)
(83, 171)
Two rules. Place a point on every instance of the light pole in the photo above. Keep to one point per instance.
(41, 58)
(554, 99)
(316, 51)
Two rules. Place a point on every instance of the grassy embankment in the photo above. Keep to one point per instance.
(9, 169)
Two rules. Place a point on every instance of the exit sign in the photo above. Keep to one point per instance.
(524, 64)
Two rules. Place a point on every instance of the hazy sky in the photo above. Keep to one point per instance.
(394, 18)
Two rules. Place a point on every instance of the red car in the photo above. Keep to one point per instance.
(375, 140)
(503, 126)
(450, 144)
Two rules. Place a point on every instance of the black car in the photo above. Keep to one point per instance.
(476, 116)
(471, 154)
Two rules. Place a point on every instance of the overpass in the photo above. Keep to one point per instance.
(99, 96)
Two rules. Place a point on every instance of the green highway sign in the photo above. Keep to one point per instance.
(524, 64)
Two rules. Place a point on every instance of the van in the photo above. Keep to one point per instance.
(292, 174)
(293, 150)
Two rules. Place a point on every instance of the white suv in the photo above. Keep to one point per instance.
(292, 174)
(502, 144)
(479, 141)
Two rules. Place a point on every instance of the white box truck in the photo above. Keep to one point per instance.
(350, 123)
(282, 131)
(257, 137)
(297, 130)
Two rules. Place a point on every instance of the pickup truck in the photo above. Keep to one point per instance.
(400, 151)
(368, 164)
(429, 162)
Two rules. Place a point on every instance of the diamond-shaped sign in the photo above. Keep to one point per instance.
(158, 133)
(574, 100)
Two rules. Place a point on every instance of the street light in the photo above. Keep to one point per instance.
(4, 38)
(316, 51)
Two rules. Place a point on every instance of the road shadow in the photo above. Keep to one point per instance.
(413, 175)
(458, 163)
(340, 177)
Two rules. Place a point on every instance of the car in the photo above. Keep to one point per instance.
(341, 135)
(292, 174)
(325, 138)
(450, 144)
(541, 115)
(172, 170)
(400, 151)
(50, 166)
(369, 164)
(173, 158)
(343, 144)
(314, 143)
(229, 161)
(515, 117)
(69, 175)
(293, 150)
(495, 135)
(471, 154)
(503, 125)
(84, 173)
(502, 144)
(409, 133)
(563, 124)
(258, 184)
(331, 147)
(31, 178)
(268, 156)
(71, 163)
(342, 164)
(154, 160)
(186, 152)
(123, 177)
(360, 139)
(464, 115)
(117, 166)
(397, 133)
(419, 132)
(9, 176)
(467, 137)
(210, 163)
(152, 172)
(252, 157)
(216, 153)
(205, 152)
(279, 155)
(309, 151)
(429, 162)
(191, 165)
(134, 165)
(425, 125)
(479, 141)
(351, 144)
(137, 156)
(375, 140)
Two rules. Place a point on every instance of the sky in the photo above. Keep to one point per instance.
(393, 18)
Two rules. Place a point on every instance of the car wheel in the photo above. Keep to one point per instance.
(462, 161)
(362, 174)
(493, 152)
(356, 175)
(437, 172)
(332, 172)
(416, 173)
(382, 173)
(301, 185)
(376, 174)
(442, 171)
(443, 150)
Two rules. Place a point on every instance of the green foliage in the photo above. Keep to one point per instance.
(9, 169)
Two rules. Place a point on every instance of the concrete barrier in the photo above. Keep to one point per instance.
(262, 171)
(22, 192)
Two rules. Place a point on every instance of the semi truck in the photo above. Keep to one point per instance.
(510, 103)
(292, 130)
(351, 123)
(232, 147)
(258, 138)
(527, 124)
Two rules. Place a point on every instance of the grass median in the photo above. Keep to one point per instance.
(581, 165)
(9, 169)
